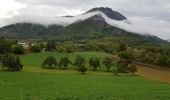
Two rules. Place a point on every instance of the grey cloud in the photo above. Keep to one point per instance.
(151, 15)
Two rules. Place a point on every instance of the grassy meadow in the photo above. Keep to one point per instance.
(34, 83)
(36, 59)
(73, 86)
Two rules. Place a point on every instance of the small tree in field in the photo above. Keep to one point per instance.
(11, 63)
(115, 71)
(64, 62)
(108, 62)
(132, 68)
(51, 45)
(122, 47)
(82, 69)
(49, 62)
(80, 63)
(122, 65)
(95, 63)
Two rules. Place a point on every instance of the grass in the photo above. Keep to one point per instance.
(35, 60)
(72, 86)
(34, 83)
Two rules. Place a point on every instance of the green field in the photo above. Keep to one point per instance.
(34, 83)
(35, 60)
(68, 85)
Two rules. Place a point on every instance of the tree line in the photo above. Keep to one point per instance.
(148, 53)
(94, 64)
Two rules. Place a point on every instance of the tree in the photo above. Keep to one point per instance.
(51, 45)
(80, 63)
(5, 45)
(18, 49)
(1, 59)
(69, 47)
(36, 48)
(128, 55)
(122, 65)
(49, 62)
(163, 60)
(95, 63)
(11, 62)
(82, 69)
(108, 62)
(64, 62)
(115, 71)
(122, 47)
(132, 68)
(61, 49)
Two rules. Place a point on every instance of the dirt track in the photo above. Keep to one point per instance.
(154, 73)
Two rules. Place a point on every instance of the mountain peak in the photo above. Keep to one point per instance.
(109, 12)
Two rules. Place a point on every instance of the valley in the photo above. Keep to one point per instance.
(92, 56)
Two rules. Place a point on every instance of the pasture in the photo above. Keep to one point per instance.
(69, 85)
(34, 83)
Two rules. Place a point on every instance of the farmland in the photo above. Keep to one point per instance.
(71, 85)
(34, 83)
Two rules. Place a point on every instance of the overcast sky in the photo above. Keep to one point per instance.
(152, 15)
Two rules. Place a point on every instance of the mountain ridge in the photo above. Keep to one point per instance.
(95, 26)
(109, 12)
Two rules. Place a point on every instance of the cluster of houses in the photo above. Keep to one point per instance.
(28, 44)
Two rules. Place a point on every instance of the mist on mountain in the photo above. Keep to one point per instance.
(135, 26)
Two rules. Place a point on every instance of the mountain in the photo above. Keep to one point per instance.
(109, 12)
(94, 26)
(29, 30)
(168, 40)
